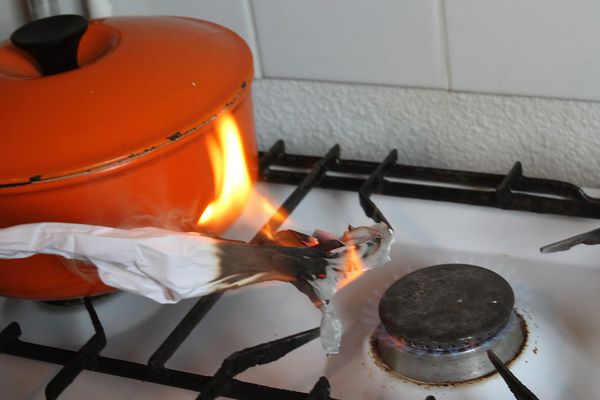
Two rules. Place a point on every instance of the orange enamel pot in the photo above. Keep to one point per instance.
(121, 139)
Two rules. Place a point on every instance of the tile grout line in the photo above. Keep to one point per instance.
(433, 89)
(251, 21)
(445, 42)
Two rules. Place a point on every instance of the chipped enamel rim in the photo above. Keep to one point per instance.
(145, 154)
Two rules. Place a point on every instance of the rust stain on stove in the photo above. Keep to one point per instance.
(374, 353)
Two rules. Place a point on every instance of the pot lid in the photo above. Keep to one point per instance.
(142, 84)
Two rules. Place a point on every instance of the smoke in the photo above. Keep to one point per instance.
(176, 219)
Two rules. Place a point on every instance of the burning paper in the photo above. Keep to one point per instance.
(168, 266)
(348, 257)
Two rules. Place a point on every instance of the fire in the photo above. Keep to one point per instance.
(276, 216)
(353, 267)
(230, 172)
(232, 180)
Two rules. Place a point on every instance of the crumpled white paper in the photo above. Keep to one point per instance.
(168, 266)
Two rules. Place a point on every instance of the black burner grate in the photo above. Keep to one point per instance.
(513, 191)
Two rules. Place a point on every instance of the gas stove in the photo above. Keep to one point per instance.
(468, 307)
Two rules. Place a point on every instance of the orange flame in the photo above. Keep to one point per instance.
(353, 268)
(274, 214)
(230, 173)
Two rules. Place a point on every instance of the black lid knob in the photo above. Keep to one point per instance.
(52, 41)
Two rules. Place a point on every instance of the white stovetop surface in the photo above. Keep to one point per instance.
(556, 293)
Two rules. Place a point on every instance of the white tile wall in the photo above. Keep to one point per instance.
(384, 42)
(532, 47)
(13, 13)
(545, 48)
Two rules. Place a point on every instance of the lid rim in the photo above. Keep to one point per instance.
(138, 156)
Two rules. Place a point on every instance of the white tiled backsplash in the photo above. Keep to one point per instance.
(377, 42)
(449, 83)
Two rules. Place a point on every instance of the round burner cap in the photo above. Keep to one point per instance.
(446, 307)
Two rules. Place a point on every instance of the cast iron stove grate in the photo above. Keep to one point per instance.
(512, 191)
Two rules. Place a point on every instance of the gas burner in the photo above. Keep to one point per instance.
(439, 322)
